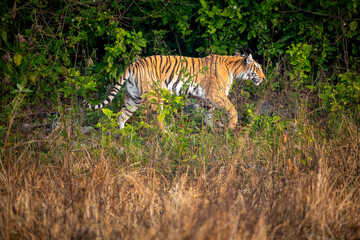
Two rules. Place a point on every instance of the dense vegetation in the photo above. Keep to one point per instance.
(290, 171)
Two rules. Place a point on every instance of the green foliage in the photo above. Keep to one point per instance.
(299, 55)
(160, 47)
(266, 125)
(122, 39)
(168, 103)
(344, 96)
(111, 122)
(51, 57)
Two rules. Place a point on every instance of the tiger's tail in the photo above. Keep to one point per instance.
(109, 98)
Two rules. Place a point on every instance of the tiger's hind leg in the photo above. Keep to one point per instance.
(131, 104)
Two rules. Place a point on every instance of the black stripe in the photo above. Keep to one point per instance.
(167, 70)
(177, 66)
(155, 64)
(146, 61)
(129, 115)
(135, 98)
(186, 64)
(136, 69)
(167, 61)
(237, 62)
(198, 68)
(172, 73)
(131, 83)
(196, 87)
(137, 102)
(126, 109)
(237, 68)
(143, 67)
(152, 60)
(175, 84)
(193, 67)
(142, 62)
(136, 73)
(117, 89)
(161, 59)
(128, 94)
(179, 77)
(136, 66)
(216, 68)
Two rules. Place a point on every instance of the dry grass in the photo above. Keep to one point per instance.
(238, 187)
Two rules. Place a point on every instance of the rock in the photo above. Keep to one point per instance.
(265, 108)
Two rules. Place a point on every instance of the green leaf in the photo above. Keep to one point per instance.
(200, 49)
(107, 112)
(249, 36)
(17, 59)
(242, 28)
(33, 76)
(219, 23)
(161, 117)
(4, 37)
(311, 87)
(26, 90)
(356, 86)
(353, 25)
(113, 72)
(204, 4)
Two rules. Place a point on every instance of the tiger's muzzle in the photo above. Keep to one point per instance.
(257, 80)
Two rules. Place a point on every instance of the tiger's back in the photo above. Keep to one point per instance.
(169, 72)
(208, 78)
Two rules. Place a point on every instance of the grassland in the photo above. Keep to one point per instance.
(279, 176)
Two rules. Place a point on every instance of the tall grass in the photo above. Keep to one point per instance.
(301, 186)
(276, 178)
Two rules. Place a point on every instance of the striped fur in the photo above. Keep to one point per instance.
(211, 80)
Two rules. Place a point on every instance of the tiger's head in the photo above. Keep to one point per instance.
(249, 69)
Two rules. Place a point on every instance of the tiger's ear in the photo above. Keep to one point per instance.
(248, 59)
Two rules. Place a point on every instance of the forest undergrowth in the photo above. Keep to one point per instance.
(276, 177)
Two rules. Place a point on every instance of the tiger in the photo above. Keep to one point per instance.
(209, 79)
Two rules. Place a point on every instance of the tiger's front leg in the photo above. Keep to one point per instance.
(223, 102)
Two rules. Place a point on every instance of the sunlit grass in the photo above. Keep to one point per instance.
(272, 181)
